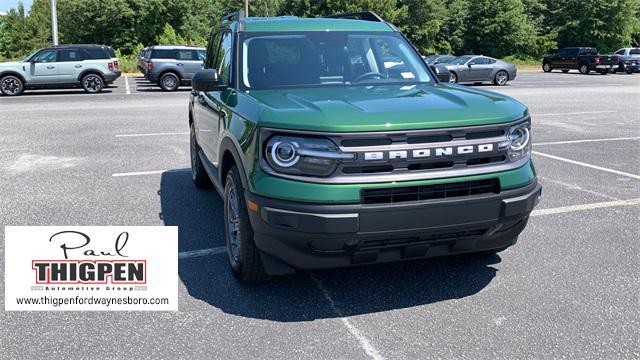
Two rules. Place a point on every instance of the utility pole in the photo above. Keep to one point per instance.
(54, 22)
(246, 8)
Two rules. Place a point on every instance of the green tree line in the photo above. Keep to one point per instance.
(524, 29)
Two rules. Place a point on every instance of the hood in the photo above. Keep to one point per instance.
(13, 64)
(383, 108)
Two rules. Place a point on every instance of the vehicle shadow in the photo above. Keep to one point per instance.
(144, 85)
(301, 297)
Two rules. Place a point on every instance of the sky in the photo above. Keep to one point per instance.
(5, 5)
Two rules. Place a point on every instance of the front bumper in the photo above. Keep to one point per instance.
(629, 67)
(315, 236)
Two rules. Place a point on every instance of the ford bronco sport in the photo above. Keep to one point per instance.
(65, 66)
(171, 66)
(325, 156)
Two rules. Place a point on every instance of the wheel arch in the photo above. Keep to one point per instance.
(229, 156)
(14, 73)
(169, 70)
(91, 71)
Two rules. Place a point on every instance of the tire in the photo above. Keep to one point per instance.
(546, 67)
(169, 82)
(11, 85)
(584, 69)
(565, 71)
(244, 256)
(628, 71)
(198, 173)
(453, 78)
(92, 83)
(501, 78)
(603, 72)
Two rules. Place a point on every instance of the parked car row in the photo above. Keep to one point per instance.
(91, 67)
(587, 59)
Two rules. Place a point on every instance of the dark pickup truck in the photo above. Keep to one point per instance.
(583, 59)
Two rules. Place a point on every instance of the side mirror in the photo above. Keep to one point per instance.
(441, 71)
(207, 80)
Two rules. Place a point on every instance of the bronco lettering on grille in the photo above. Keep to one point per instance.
(430, 152)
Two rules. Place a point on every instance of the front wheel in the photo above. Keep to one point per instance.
(546, 67)
(11, 85)
(92, 83)
(453, 78)
(169, 82)
(244, 256)
(501, 78)
(603, 72)
(629, 71)
(584, 69)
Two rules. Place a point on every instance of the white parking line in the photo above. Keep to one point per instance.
(622, 173)
(202, 252)
(153, 134)
(576, 113)
(152, 172)
(126, 85)
(600, 205)
(575, 187)
(587, 141)
(365, 344)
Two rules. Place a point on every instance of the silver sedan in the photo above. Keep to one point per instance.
(478, 68)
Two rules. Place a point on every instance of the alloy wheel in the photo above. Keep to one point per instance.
(169, 82)
(92, 83)
(233, 224)
(502, 77)
(11, 86)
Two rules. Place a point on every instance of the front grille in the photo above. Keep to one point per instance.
(427, 238)
(430, 192)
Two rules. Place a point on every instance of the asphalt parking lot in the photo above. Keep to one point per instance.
(569, 288)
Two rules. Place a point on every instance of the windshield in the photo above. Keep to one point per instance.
(304, 59)
(461, 60)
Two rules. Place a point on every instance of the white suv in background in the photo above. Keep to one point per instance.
(65, 66)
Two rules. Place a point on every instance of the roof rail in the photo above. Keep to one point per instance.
(365, 15)
(235, 16)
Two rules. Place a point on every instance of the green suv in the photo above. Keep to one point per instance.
(333, 144)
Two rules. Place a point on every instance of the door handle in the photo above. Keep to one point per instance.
(51, 67)
(78, 66)
(180, 64)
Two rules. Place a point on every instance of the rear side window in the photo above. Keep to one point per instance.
(96, 54)
(163, 54)
(71, 55)
(588, 52)
(186, 55)
(574, 52)
(634, 52)
(111, 52)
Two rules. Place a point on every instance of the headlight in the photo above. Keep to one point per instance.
(303, 156)
(519, 138)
